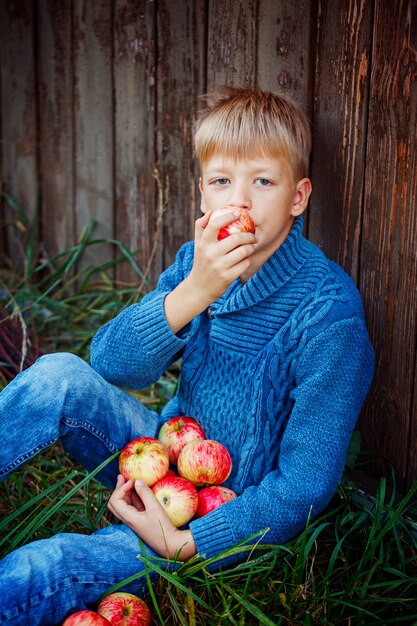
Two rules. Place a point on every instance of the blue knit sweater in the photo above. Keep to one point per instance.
(277, 370)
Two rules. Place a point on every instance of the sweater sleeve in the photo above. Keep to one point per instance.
(136, 347)
(332, 377)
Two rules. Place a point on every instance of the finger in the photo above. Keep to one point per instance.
(238, 254)
(237, 239)
(137, 502)
(202, 221)
(125, 512)
(120, 481)
(215, 224)
(200, 226)
(146, 494)
(123, 486)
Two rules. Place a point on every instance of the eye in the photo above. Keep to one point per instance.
(221, 181)
(263, 182)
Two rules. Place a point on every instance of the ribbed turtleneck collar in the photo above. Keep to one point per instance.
(277, 270)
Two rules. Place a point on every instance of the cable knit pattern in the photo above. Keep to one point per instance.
(276, 369)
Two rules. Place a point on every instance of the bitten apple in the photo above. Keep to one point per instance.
(242, 224)
(178, 497)
(86, 618)
(144, 458)
(125, 609)
(176, 432)
(210, 498)
(205, 462)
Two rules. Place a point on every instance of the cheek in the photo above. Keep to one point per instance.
(208, 201)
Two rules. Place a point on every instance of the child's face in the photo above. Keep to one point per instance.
(265, 187)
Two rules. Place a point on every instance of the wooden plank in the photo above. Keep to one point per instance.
(180, 80)
(134, 72)
(56, 123)
(412, 450)
(18, 112)
(284, 49)
(388, 277)
(341, 94)
(232, 43)
(93, 107)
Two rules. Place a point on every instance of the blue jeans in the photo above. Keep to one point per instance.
(61, 397)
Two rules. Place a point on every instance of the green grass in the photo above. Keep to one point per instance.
(355, 564)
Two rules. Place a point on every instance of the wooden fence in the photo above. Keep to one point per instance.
(98, 99)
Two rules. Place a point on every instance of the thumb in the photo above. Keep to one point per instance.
(145, 493)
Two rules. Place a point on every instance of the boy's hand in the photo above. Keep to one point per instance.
(136, 505)
(218, 263)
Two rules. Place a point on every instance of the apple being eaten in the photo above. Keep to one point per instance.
(86, 618)
(125, 609)
(242, 224)
(205, 462)
(178, 431)
(178, 497)
(144, 458)
(210, 498)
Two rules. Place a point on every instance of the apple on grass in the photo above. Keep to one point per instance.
(178, 497)
(176, 432)
(86, 618)
(205, 462)
(144, 458)
(124, 609)
(242, 224)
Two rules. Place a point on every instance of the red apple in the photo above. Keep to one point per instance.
(86, 618)
(205, 462)
(210, 498)
(176, 432)
(179, 498)
(242, 224)
(125, 609)
(144, 458)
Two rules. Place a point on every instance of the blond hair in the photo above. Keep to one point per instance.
(246, 123)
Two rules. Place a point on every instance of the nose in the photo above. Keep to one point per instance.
(240, 196)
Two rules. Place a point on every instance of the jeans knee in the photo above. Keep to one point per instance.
(59, 370)
(61, 362)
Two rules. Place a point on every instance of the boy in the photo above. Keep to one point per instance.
(276, 364)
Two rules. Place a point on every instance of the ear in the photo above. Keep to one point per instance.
(203, 207)
(302, 194)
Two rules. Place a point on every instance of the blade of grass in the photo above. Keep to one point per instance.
(251, 608)
(40, 519)
(12, 516)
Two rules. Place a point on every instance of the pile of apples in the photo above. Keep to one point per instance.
(199, 462)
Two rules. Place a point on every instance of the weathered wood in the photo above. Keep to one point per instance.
(284, 48)
(388, 276)
(54, 27)
(232, 36)
(93, 109)
(19, 176)
(134, 90)
(341, 92)
(412, 209)
(180, 80)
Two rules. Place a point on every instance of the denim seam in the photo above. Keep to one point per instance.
(24, 457)
(76, 423)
